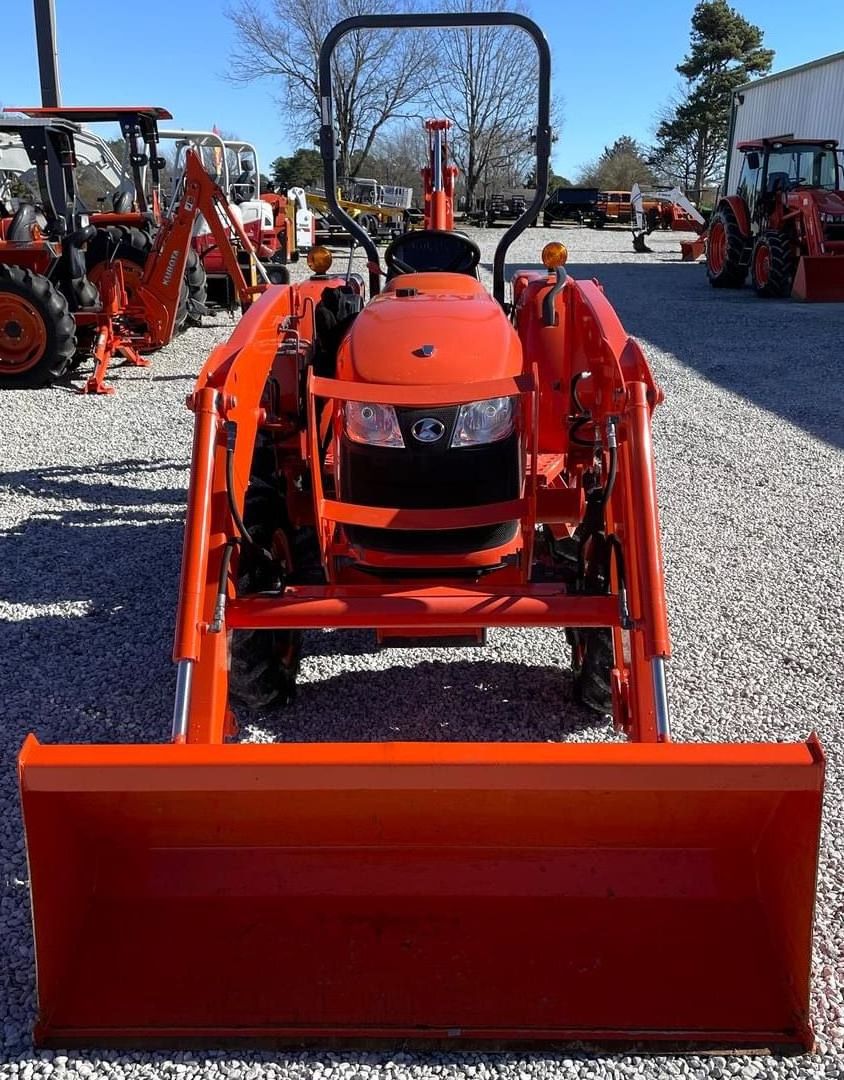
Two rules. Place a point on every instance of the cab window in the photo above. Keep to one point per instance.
(795, 166)
(749, 179)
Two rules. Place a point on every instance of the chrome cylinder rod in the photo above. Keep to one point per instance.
(181, 708)
(663, 724)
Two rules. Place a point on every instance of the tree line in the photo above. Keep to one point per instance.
(481, 79)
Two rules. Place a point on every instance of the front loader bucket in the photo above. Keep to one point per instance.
(819, 278)
(482, 893)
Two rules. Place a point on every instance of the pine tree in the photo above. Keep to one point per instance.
(725, 51)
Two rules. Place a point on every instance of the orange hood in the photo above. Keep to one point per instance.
(431, 328)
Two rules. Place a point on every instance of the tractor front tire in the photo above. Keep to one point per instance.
(263, 663)
(592, 662)
(37, 331)
(772, 265)
(725, 250)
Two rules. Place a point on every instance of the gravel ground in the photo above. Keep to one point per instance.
(750, 472)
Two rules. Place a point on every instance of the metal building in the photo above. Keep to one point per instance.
(804, 102)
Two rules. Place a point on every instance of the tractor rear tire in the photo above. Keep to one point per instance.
(132, 248)
(37, 331)
(263, 663)
(197, 283)
(772, 265)
(129, 245)
(725, 250)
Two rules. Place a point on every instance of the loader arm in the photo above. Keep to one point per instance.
(157, 296)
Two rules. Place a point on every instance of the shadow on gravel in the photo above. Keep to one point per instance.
(445, 700)
(65, 483)
(782, 355)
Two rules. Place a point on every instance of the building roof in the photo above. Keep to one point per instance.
(792, 71)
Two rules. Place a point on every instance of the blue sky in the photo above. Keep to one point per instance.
(613, 62)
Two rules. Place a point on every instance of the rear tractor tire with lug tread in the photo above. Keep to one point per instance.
(37, 331)
(772, 265)
(197, 284)
(725, 251)
(128, 245)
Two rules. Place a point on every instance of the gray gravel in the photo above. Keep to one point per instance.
(750, 471)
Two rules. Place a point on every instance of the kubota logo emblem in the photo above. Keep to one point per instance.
(428, 430)
(171, 266)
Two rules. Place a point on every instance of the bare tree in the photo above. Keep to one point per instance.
(485, 81)
(376, 74)
(399, 154)
(676, 160)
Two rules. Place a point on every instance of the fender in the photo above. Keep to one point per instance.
(739, 207)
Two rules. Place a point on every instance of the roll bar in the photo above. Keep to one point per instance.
(327, 141)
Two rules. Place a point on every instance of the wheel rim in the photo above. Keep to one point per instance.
(23, 335)
(717, 247)
(132, 275)
(762, 264)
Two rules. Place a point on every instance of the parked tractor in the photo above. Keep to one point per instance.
(429, 461)
(270, 221)
(784, 223)
(58, 305)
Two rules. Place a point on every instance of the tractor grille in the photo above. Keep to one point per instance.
(430, 477)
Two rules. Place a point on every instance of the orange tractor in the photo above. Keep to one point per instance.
(58, 305)
(127, 217)
(785, 222)
(430, 462)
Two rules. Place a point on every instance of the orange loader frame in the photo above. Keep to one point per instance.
(460, 893)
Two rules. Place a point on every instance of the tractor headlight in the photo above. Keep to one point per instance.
(480, 422)
(376, 425)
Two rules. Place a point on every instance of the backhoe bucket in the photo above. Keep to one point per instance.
(481, 893)
(819, 278)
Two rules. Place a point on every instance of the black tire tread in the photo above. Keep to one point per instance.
(59, 323)
(263, 663)
(734, 271)
(197, 289)
(783, 266)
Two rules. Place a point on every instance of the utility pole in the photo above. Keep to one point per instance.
(48, 56)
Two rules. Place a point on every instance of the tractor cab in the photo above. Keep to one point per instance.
(778, 168)
(784, 223)
(38, 164)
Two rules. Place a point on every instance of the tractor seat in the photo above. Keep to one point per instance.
(21, 226)
(778, 181)
(123, 202)
(426, 250)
